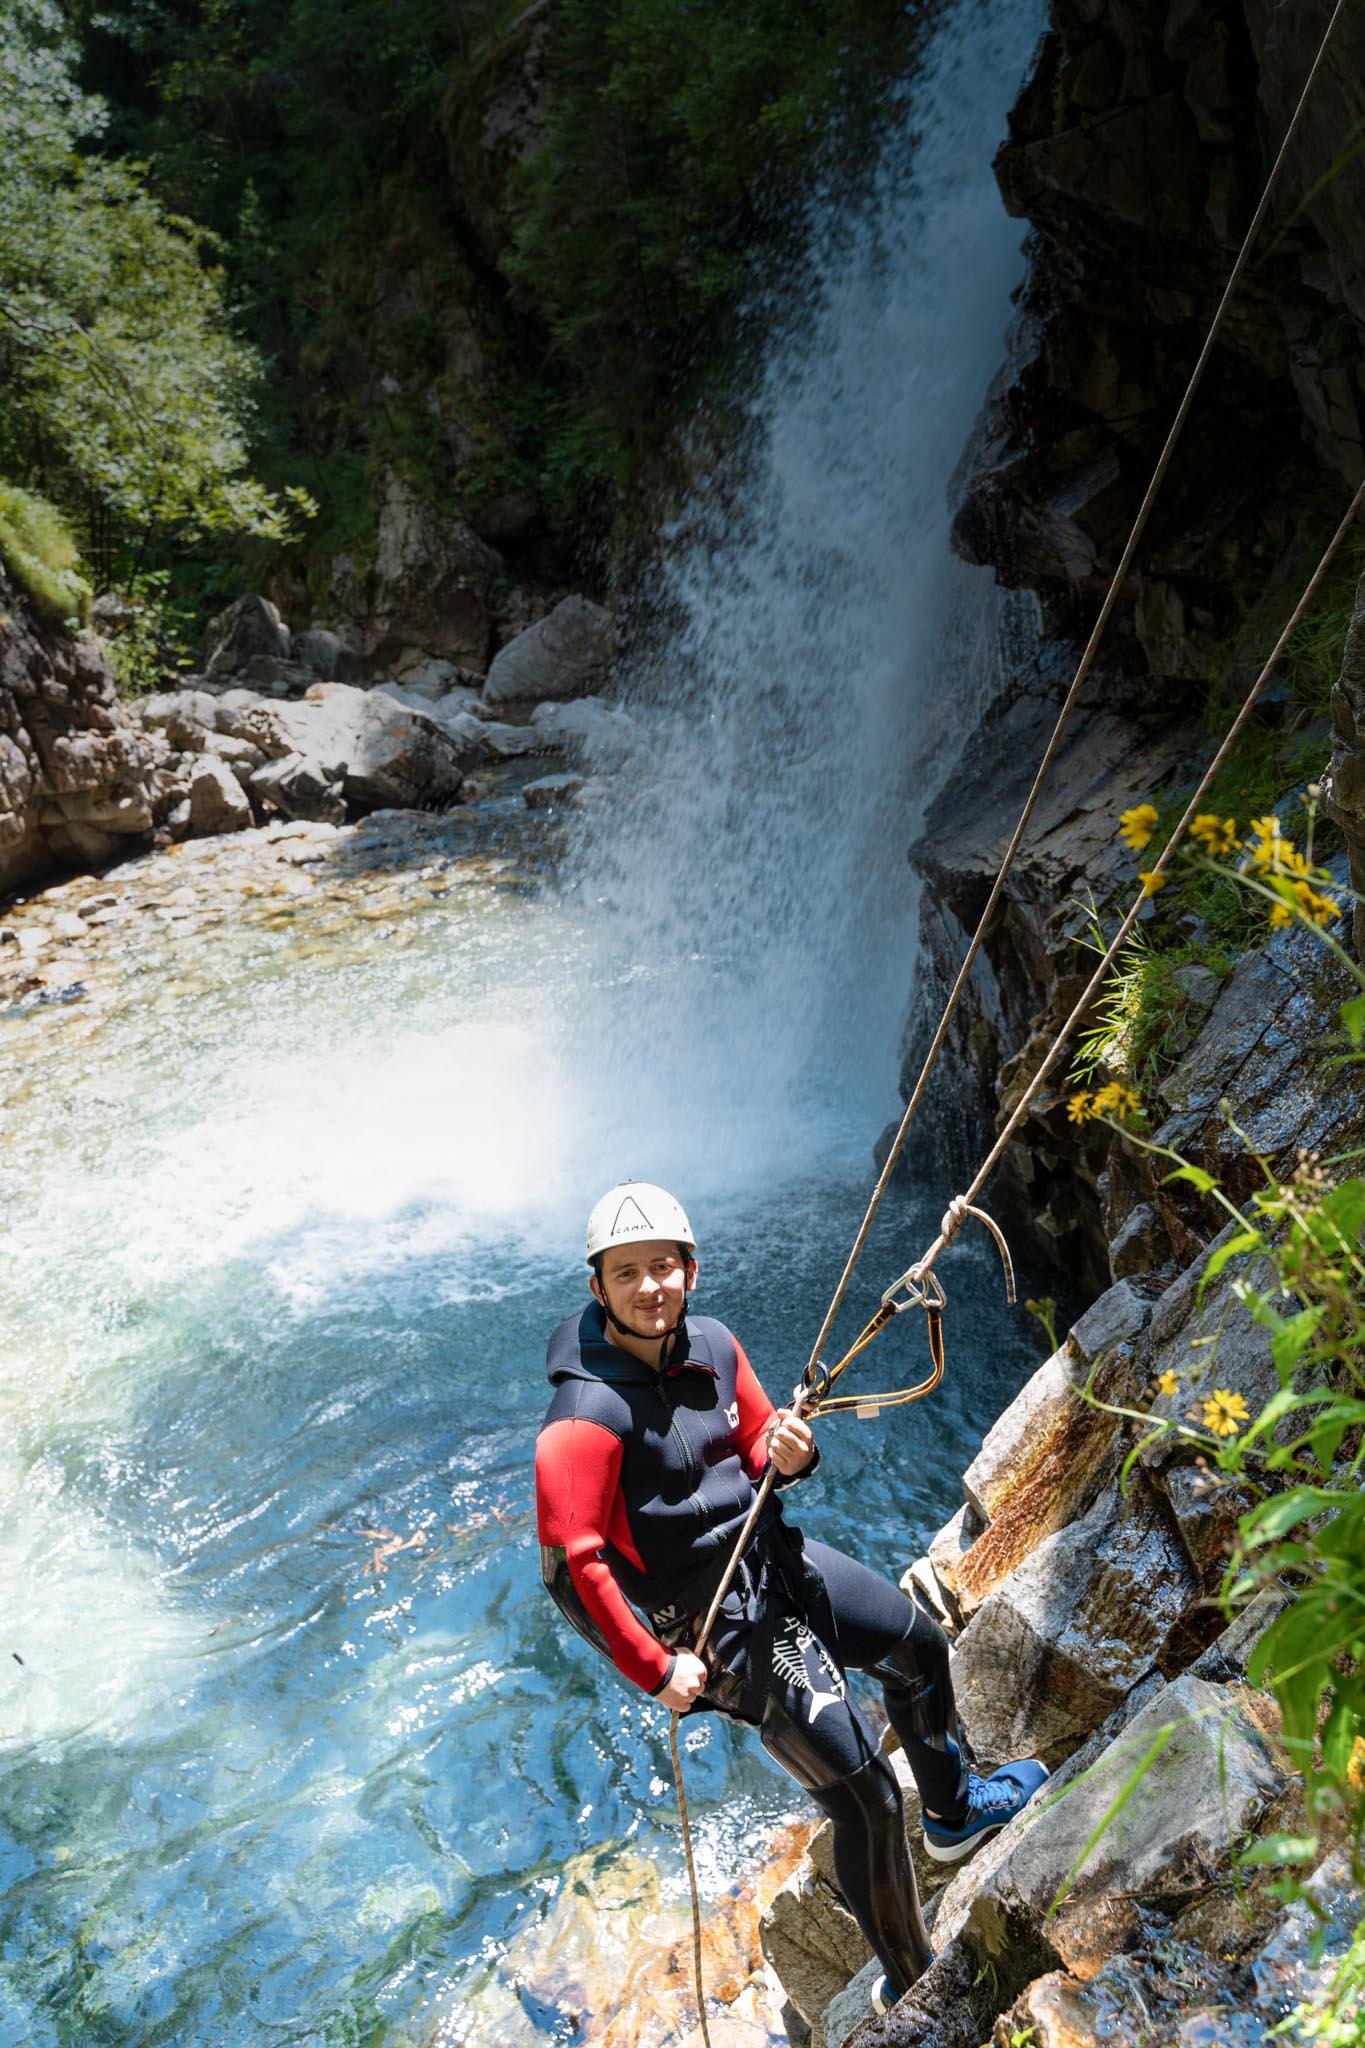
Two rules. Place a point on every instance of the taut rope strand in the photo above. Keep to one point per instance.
(1083, 1001)
(1083, 670)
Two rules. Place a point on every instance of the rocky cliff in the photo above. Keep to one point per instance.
(76, 783)
(1137, 151)
(1083, 1610)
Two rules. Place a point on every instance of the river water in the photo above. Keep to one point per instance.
(292, 1749)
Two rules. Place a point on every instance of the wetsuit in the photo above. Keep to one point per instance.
(643, 1479)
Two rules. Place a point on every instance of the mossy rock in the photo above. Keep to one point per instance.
(38, 549)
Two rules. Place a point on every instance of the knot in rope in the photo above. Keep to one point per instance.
(915, 1279)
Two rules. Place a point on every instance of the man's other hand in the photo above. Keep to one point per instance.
(689, 1676)
(791, 1446)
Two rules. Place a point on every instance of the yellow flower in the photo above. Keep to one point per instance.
(1216, 835)
(1355, 1766)
(1167, 1381)
(1152, 881)
(1078, 1107)
(1137, 826)
(1224, 1412)
(1116, 1099)
(1320, 910)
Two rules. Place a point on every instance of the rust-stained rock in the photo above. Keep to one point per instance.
(949, 1547)
(1063, 1639)
(1043, 1461)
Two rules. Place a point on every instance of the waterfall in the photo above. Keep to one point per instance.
(822, 658)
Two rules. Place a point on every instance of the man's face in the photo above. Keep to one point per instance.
(644, 1285)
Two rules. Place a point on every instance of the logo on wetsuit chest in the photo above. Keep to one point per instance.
(732, 1415)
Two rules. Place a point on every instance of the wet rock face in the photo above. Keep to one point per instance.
(76, 778)
(1345, 786)
(1137, 151)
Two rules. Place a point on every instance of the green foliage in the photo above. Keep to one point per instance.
(151, 641)
(40, 553)
(1298, 1270)
(1142, 1019)
(677, 133)
(125, 393)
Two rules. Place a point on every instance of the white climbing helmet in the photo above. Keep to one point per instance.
(637, 1209)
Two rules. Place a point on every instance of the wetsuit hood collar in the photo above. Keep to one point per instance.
(580, 1349)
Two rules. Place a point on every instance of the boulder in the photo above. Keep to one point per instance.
(403, 758)
(811, 1941)
(1216, 1768)
(326, 654)
(77, 777)
(426, 677)
(301, 789)
(1061, 1641)
(276, 678)
(249, 626)
(218, 803)
(566, 654)
(602, 734)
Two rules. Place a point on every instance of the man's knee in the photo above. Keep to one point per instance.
(917, 1670)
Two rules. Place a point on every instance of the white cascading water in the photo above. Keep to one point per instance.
(286, 1224)
(747, 878)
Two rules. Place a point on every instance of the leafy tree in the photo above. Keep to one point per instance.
(677, 135)
(125, 392)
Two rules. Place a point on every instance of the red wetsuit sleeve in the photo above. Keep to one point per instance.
(756, 1411)
(578, 1465)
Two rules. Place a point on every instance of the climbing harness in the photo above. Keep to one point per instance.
(919, 1286)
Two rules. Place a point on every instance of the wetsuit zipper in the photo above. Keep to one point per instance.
(690, 1465)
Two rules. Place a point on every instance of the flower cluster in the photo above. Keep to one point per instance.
(1222, 1412)
(1267, 856)
(1115, 1098)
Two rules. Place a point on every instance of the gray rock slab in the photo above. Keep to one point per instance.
(301, 789)
(1215, 1772)
(326, 654)
(1060, 1642)
(1208, 1344)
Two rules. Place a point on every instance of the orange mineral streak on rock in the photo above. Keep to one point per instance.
(613, 1959)
(1055, 1475)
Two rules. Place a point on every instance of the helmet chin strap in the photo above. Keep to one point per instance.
(666, 1338)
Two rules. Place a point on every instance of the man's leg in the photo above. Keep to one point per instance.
(880, 1630)
(819, 1735)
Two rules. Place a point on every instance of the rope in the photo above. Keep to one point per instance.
(1030, 1095)
(963, 1205)
(683, 1815)
(1082, 671)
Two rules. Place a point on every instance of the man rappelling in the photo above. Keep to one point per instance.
(655, 1441)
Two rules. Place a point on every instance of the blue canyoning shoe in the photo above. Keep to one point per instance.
(992, 1804)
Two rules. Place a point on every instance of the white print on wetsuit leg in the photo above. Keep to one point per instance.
(791, 1647)
(732, 1415)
